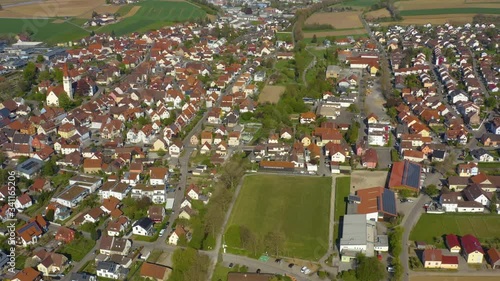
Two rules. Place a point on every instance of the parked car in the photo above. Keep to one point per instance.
(258, 271)
(231, 265)
(162, 232)
(278, 260)
(291, 265)
(390, 269)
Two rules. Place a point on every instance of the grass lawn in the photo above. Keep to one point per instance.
(342, 189)
(77, 249)
(296, 206)
(483, 226)
(155, 14)
(448, 11)
(489, 165)
(43, 29)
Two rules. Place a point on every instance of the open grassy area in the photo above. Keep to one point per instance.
(488, 165)
(77, 249)
(430, 226)
(446, 11)
(296, 206)
(155, 14)
(342, 189)
(43, 29)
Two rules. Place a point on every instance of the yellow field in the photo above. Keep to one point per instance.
(335, 33)
(443, 4)
(57, 8)
(381, 13)
(454, 278)
(340, 20)
(271, 94)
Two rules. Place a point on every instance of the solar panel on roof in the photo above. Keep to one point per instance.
(353, 198)
(411, 175)
(388, 202)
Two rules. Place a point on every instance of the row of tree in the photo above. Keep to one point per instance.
(302, 15)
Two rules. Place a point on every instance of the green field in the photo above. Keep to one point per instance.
(489, 165)
(342, 190)
(360, 3)
(298, 207)
(43, 29)
(429, 226)
(449, 11)
(155, 14)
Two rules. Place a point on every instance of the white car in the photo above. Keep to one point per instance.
(162, 232)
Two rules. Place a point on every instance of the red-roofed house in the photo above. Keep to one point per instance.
(28, 274)
(449, 262)
(472, 249)
(431, 258)
(65, 235)
(452, 243)
(494, 258)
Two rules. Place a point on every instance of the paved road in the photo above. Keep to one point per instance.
(331, 240)
(408, 222)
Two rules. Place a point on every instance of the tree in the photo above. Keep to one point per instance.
(369, 268)
(29, 75)
(491, 102)
(314, 39)
(94, 234)
(119, 57)
(431, 190)
(249, 240)
(493, 203)
(49, 215)
(65, 102)
(50, 168)
(405, 193)
(40, 59)
(274, 242)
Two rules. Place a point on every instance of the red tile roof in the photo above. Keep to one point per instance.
(452, 241)
(470, 244)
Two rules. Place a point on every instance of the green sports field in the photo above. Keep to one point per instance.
(155, 14)
(483, 226)
(296, 206)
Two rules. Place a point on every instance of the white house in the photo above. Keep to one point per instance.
(23, 202)
(158, 176)
(193, 192)
(176, 235)
(143, 227)
(111, 270)
(338, 157)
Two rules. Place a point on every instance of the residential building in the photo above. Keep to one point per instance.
(472, 249)
(406, 175)
(143, 227)
(155, 272)
(431, 258)
(452, 243)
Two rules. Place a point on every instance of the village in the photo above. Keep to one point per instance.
(124, 142)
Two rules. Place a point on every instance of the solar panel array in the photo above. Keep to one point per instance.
(411, 175)
(389, 201)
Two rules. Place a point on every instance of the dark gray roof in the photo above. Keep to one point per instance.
(388, 202)
(411, 175)
(82, 276)
(21, 139)
(145, 223)
(106, 265)
(438, 154)
(30, 166)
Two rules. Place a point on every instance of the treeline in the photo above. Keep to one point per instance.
(302, 15)
(395, 248)
(317, 26)
(389, 5)
(273, 242)
(209, 8)
(189, 264)
(480, 18)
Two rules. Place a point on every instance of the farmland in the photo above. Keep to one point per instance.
(380, 13)
(155, 14)
(345, 32)
(453, 278)
(52, 8)
(431, 226)
(341, 20)
(446, 11)
(444, 4)
(44, 29)
(271, 94)
(296, 206)
(50, 27)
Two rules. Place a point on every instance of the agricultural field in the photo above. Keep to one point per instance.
(155, 14)
(52, 8)
(337, 33)
(434, 19)
(271, 94)
(296, 206)
(380, 13)
(447, 11)
(47, 30)
(426, 277)
(445, 4)
(430, 226)
(340, 20)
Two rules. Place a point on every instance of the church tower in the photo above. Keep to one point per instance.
(67, 82)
